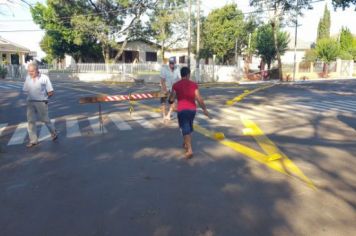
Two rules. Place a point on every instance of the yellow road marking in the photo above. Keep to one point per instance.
(273, 157)
(283, 164)
(245, 93)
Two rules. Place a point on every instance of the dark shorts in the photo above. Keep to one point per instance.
(165, 99)
(185, 120)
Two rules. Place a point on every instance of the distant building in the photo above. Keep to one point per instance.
(12, 53)
(302, 47)
(139, 51)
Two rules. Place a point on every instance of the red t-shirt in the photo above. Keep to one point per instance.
(185, 91)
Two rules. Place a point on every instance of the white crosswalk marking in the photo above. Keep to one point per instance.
(19, 135)
(44, 132)
(350, 103)
(119, 122)
(13, 86)
(95, 125)
(2, 128)
(72, 128)
(310, 108)
(142, 121)
(341, 106)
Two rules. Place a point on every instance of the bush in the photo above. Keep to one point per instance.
(3, 71)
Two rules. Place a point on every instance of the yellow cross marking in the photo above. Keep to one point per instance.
(272, 156)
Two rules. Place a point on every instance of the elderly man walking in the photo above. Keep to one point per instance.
(169, 75)
(38, 88)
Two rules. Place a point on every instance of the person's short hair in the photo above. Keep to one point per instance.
(33, 65)
(172, 60)
(184, 71)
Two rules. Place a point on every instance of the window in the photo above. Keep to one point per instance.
(151, 56)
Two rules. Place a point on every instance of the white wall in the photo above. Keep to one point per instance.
(288, 57)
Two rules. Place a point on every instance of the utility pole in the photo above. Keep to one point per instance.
(295, 43)
(198, 43)
(190, 31)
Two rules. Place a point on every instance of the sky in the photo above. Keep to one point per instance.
(17, 19)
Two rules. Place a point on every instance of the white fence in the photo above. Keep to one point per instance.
(150, 71)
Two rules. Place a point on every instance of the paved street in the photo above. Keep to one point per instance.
(286, 166)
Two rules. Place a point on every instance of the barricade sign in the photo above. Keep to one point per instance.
(119, 98)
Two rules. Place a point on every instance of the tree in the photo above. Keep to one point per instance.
(279, 12)
(91, 23)
(168, 23)
(327, 50)
(346, 44)
(343, 3)
(221, 29)
(324, 25)
(346, 39)
(264, 43)
(60, 37)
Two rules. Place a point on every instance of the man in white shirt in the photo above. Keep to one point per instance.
(38, 88)
(169, 75)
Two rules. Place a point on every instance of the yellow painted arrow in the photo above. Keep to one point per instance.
(245, 93)
(272, 156)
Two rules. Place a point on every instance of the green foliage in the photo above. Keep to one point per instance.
(343, 3)
(310, 56)
(327, 50)
(324, 25)
(346, 39)
(168, 23)
(345, 55)
(61, 38)
(85, 28)
(264, 43)
(220, 31)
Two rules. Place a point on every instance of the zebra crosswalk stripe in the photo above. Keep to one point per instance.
(2, 128)
(310, 108)
(142, 121)
(341, 106)
(44, 132)
(72, 128)
(348, 102)
(119, 122)
(95, 125)
(19, 135)
(13, 86)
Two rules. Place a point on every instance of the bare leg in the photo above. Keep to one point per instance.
(188, 146)
(171, 108)
(163, 110)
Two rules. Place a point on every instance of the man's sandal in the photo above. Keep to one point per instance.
(30, 145)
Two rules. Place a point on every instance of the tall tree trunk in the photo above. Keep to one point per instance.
(325, 69)
(121, 50)
(162, 50)
(275, 26)
(106, 53)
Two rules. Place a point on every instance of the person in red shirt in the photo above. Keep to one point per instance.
(187, 92)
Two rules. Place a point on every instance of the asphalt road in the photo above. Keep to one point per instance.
(286, 165)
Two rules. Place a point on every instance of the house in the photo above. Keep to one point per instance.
(181, 54)
(302, 47)
(140, 50)
(12, 53)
